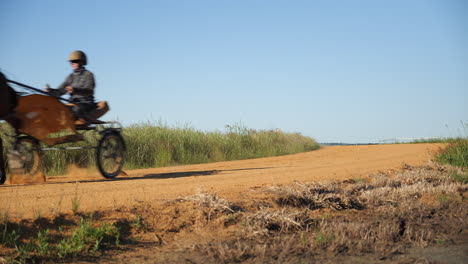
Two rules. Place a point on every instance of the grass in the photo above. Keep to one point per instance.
(211, 201)
(75, 204)
(456, 153)
(9, 237)
(138, 223)
(86, 238)
(75, 201)
(314, 197)
(323, 239)
(157, 145)
(44, 247)
(460, 177)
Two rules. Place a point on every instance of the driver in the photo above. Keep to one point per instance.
(79, 84)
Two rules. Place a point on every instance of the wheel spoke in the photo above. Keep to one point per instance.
(110, 155)
(28, 155)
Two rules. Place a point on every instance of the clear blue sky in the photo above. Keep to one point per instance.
(338, 71)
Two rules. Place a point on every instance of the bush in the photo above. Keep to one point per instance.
(455, 154)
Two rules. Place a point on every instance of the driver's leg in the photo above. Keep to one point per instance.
(81, 109)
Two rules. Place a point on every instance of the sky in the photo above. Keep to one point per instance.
(338, 71)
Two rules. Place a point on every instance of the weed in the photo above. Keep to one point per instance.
(322, 239)
(138, 223)
(56, 210)
(4, 216)
(10, 238)
(87, 238)
(443, 198)
(460, 177)
(44, 247)
(37, 213)
(24, 251)
(75, 204)
(303, 239)
(75, 201)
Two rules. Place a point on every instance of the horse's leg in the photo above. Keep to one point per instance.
(2, 164)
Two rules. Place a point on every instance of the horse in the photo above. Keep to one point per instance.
(8, 102)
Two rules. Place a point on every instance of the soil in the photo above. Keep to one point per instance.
(174, 229)
(234, 180)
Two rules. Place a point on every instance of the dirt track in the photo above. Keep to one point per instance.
(236, 180)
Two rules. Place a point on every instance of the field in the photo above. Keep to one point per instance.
(343, 204)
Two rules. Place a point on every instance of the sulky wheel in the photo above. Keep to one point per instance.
(110, 154)
(26, 158)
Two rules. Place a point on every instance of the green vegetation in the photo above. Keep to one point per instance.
(85, 239)
(460, 177)
(151, 145)
(323, 239)
(156, 145)
(455, 154)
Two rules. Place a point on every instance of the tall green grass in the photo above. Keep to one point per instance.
(157, 145)
(456, 153)
(151, 145)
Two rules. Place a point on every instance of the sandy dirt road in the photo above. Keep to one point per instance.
(235, 180)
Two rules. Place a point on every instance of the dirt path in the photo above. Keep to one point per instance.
(235, 180)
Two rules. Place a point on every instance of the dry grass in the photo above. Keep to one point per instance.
(409, 186)
(211, 201)
(315, 196)
(265, 220)
(381, 216)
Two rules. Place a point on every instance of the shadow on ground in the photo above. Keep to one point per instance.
(155, 176)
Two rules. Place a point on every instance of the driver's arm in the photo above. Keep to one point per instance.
(61, 89)
(86, 85)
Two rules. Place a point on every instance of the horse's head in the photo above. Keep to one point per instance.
(3, 82)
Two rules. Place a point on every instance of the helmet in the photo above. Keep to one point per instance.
(78, 55)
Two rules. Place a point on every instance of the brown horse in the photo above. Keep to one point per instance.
(7, 105)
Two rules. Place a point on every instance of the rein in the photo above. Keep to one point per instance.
(36, 90)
